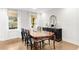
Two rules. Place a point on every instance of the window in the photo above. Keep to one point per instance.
(12, 16)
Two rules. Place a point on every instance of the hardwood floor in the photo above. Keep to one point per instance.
(17, 44)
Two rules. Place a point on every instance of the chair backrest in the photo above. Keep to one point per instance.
(27, 36)
(39, 28)
(27, 33)
(23, 33)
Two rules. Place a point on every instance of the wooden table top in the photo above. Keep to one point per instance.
(41, 34)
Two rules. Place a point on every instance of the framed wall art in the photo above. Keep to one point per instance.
(13, 22)
(33, 19)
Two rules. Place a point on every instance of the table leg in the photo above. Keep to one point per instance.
(36, 45)
(43, 43)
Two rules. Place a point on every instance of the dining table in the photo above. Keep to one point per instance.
(40, 35)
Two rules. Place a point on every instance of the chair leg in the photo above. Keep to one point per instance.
(31, 47)
(40, 44)
(22, 40)
(49, 41)
(27, 46)
(25, 41)
(34, 44)
(54, 42)
(30, 41)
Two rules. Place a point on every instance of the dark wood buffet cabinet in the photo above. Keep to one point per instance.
(57, 31)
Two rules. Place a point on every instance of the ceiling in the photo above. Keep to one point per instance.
(36, 9)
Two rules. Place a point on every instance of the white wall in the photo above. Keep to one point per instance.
(15, 33)
(41, 19)
(77, 25)
(24, 17)
(3, 24)
(68, 21)
(5, 33)
(23, 22)
(69, 25)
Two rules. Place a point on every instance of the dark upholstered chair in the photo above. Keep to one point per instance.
(23, 34)
(28, 39)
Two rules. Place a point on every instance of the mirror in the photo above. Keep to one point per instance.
(53, 21)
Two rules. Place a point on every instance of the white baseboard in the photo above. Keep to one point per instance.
(10, 38)
(72, 42)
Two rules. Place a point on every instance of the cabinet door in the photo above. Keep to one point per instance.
(58, 34)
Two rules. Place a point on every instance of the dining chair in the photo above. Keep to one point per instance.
(28, 39)
(43, 41)
(23, 34)
(52, 38)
